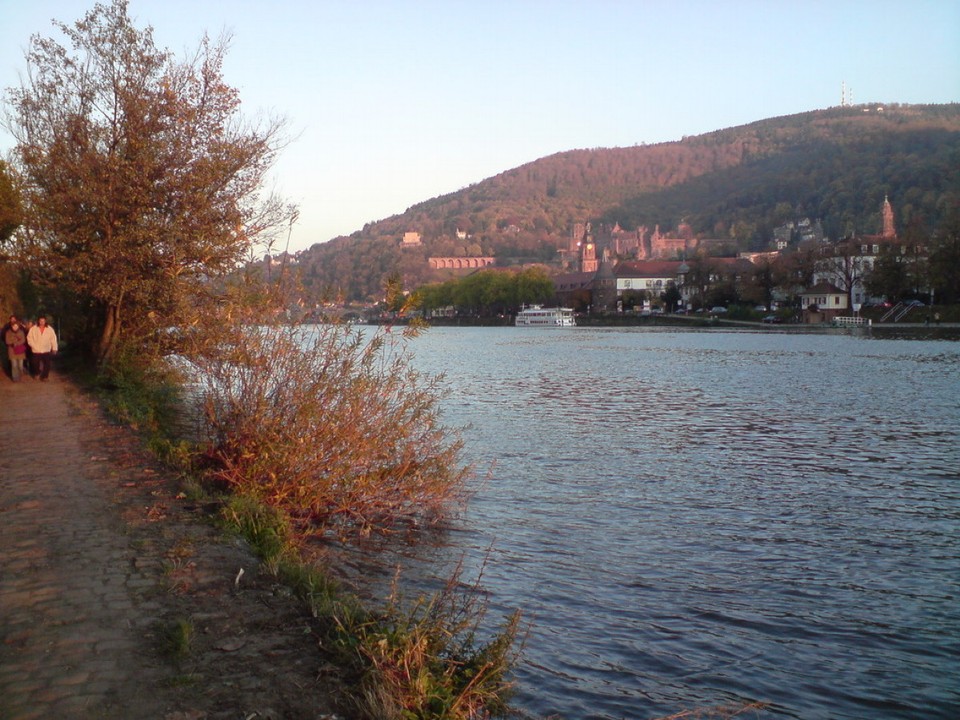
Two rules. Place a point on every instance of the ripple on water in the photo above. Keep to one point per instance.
(694, 518)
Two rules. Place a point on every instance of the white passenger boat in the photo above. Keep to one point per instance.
(537, 316)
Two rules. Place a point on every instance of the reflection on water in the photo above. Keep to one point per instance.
(699, 518)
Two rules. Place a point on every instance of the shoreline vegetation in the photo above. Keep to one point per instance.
(300, 436)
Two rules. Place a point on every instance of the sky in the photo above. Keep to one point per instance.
(390, 103)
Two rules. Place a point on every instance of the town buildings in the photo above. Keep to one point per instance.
(845, 267)
(599, 279)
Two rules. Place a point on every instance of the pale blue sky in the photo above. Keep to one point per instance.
(398, 102)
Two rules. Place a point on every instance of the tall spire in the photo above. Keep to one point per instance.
(888, 229)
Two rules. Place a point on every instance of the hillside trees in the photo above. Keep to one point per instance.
(945, 258)
(833, 166)
(140, 179)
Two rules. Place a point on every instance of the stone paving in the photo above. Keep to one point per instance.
(91, 570)
(71, 587)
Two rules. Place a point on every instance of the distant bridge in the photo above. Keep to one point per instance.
(459, 263)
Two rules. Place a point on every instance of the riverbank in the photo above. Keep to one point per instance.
(120, 599)
(688, 321)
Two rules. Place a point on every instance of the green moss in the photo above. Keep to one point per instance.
(176, 639)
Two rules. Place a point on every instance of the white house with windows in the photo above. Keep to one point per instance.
(823, 302)
(652, 276)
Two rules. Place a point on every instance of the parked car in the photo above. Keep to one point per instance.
(718, 310)
(772, 319)
(914, 303)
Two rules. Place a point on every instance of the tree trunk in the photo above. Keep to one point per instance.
(108, 336)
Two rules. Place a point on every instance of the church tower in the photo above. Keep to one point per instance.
(588, 257)
(888, 230)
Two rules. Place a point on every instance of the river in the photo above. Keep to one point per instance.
(699, 518)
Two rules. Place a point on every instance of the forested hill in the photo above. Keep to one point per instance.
(833, 165)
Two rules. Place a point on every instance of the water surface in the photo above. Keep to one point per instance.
(695, 518)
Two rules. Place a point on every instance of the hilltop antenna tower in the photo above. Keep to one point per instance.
(846, 94)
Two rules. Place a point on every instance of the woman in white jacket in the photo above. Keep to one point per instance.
(43, 342)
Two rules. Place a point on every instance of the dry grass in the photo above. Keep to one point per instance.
(425, 661)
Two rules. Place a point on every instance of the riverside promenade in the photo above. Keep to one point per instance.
(117, 598)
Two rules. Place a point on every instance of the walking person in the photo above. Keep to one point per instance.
(13, 319)
(15, 338)
(43, 342)
(28, 364)
(3, 334)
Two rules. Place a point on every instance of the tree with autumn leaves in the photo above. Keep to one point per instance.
(139, 179)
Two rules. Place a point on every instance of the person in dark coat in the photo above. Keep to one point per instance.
(15, 338)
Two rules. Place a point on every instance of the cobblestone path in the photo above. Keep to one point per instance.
(97, 559)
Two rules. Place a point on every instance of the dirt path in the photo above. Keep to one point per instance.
(102, 564)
